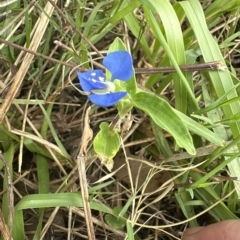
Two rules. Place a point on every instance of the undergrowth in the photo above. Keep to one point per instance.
(176, 160)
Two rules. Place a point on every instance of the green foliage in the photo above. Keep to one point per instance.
(115, 222)
(106, 144)
(164, 116)
(188, 112)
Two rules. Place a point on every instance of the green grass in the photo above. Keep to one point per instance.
(42, 119)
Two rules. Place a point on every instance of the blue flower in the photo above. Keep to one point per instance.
(102, 92)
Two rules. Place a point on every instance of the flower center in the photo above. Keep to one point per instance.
(109, 87)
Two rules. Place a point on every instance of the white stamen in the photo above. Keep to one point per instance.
(110, 87)
(101, 79)
(93, 74)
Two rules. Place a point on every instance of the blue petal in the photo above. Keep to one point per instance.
(90, 80)
(119, 64)
(106, 100)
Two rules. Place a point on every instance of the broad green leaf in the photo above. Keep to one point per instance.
(165, 117)
(106, 144)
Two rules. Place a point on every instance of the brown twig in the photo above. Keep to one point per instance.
(4, 228)
(37, 54)
(215, 65)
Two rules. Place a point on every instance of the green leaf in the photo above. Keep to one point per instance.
(219, 102)
(106, 144)
(133, 25)
(18, 230)
(57, 200)
(34, 147)
(200, 130)
(165, 117)
(161, 140)
(171, 43)
(48, 123)
(221, 80)
(174, 38)
(129, 8)
(130, 232)
(116, 222)
(43, 173)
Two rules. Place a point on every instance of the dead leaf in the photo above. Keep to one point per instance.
(87, 134)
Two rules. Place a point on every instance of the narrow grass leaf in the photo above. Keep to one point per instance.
(100, 186)
(116, 222)
(219, 102)
(57, 200)
(188, 211)
(221, 80)
(217, 169)
(129, 8)
(209, 196)
(18, 230)
(43, 174)
(175, 42)
(130, 232)
(200, 130)
(133, 25)
(160, 37)
(54, 134)
(161, 140)
(220, 6)
(91, 21)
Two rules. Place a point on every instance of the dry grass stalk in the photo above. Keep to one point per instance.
(40, 30)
